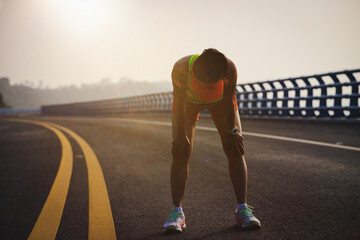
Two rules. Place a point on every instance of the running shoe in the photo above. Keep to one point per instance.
(175, 221)
(245, 218)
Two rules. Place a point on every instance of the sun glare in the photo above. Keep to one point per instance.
(81, 15)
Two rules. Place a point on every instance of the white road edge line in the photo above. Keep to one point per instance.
(290, 139)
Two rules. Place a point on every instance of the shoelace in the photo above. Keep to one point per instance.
(173, 216)
(248, 210)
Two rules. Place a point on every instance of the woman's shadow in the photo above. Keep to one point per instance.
(219, 233)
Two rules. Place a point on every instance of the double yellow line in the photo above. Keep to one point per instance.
(101, 223)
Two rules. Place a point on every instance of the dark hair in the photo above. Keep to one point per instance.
(210, 66)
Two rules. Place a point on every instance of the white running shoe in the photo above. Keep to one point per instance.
(245, 218)
(175, 221)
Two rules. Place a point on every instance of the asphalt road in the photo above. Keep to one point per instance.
(298, 190)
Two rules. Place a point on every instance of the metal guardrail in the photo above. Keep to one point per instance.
(159, 102)
(332, 95)
(19, 110)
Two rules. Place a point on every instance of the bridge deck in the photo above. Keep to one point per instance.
(299, 190)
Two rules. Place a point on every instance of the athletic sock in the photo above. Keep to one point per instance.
(178, 209)
(241, 206)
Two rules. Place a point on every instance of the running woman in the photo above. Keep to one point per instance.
(206, 81)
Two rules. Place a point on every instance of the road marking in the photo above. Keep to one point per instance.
(48, 221)
(289, 139)
(101, 223)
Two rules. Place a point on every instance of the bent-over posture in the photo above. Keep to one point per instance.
(206, 81)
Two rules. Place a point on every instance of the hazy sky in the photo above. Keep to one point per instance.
(64, 42)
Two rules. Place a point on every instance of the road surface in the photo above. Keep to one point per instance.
(303, 186)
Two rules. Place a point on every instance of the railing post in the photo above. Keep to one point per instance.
(338, 97)
(285, 108)
(323, 108)
(243, 101)
(354, 107)
(309, 98)
(273, 111)
(296, 108)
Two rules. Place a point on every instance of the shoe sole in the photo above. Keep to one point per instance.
(253, 225)
(174, 229)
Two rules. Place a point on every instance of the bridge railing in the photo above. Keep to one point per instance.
(159, 102)
(19, 110)
(333, 95)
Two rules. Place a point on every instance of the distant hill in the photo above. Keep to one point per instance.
(20, 96)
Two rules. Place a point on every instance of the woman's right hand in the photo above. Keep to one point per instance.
(181, 146)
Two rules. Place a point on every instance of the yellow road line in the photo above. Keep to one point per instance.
(101, 223)
(48, 221)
